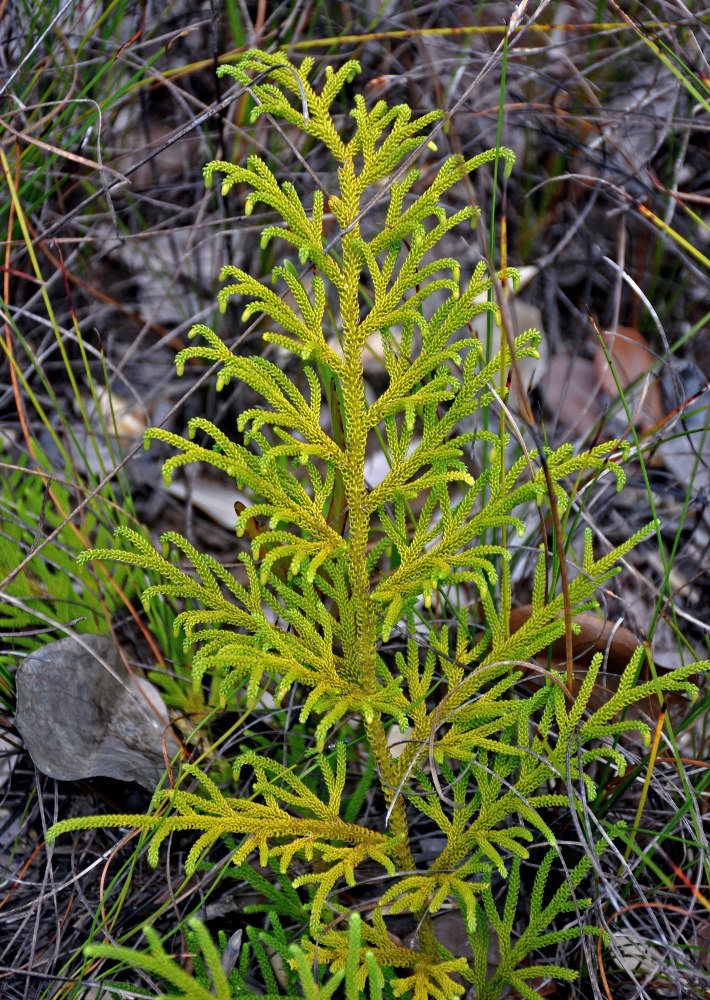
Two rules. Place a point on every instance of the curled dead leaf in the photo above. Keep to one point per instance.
(632, 358)
(618, 644)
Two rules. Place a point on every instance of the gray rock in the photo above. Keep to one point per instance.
(82, 715)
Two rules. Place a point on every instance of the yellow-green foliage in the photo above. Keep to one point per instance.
(212, 980)
(340, 563)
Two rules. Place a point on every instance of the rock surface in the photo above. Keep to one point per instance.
(82, 715)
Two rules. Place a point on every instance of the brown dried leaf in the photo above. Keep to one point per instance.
(632, 358)
(618, 645)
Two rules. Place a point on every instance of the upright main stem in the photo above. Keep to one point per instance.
(363, 658)
(354, 470)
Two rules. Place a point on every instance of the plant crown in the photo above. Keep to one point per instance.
(338, 566)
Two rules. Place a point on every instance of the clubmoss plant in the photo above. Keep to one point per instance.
(337, 564)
